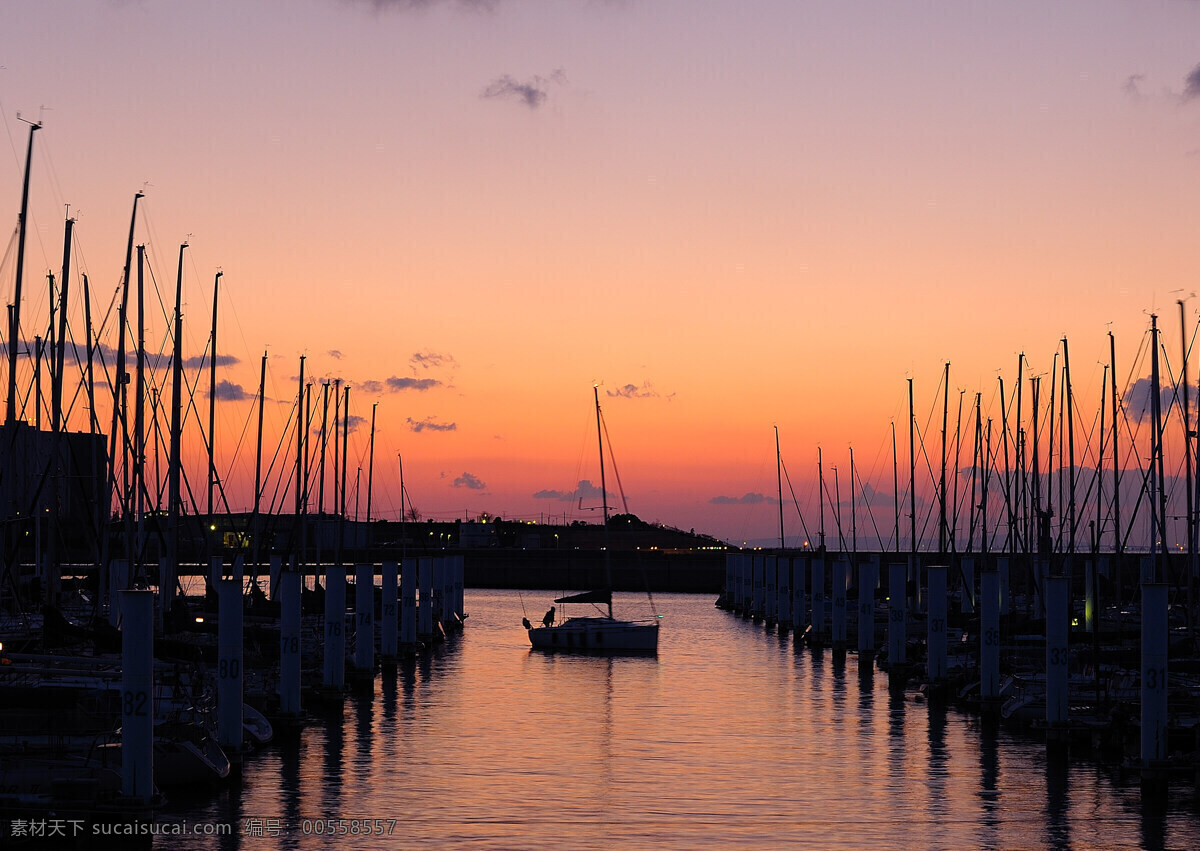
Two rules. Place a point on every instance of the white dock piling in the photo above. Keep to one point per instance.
(989, 637)
(408, 603)
(935, 635)
(747, 571)
(840, 568)
(1057, 649)
(118, 580)
(166, 591)
(758, 603)
(335, 627)
(866, 606)
(289, 643)
(799, 573)
(1154, 672)
(897, 628)
(458, 573)
(1003, 569)
(229, 667)
(388, 610)
(364, 620)
(276, 569)
(137, 693)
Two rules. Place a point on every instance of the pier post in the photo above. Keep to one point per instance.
(840, 567)
(935, 636)
(216, 571)
(364, 622)
(388, 625)
(1089, 597)
(758, 604)
(968, 578)
(438, 597)
(989, 639)
(118, 579)
(1057, 598)
(1154, 676)
(289, 643)
(408, 604)
(897, 628)
(770, 597)
(799, 573)
(137, 693)
(335, 627)
(1003, 569)
(866, 606)
(818, 598)
(459, 573)
(425, 601)
(166, 591)
(746, 569)
(229, 667)
(784, 568)
(276, 569)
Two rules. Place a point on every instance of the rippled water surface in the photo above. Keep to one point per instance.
(730, 737)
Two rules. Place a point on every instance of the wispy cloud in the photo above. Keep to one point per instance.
(336, 354)
(745, 499)
(395, 384)
(227, 391)
(429, 424)
(1191, 84)
(584, 490)
(532, 92)
(354, 421)
(470, 482)
(421, 5)
(633, 391)
(432, 360)
(371, 386)
(1133, 86)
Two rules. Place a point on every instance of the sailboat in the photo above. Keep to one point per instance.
(596, 634)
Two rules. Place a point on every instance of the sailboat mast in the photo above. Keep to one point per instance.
(779, 485)
(174, 466)
(821, 496)
(212, 398)
(896, 485)
(371, 467)
(603, 500)
(1070, 449)
(912, 472)
(14, 328)
(262, 386)
(942, 486)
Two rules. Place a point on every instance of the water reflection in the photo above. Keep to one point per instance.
(725, 740)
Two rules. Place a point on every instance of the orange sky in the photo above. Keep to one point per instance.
(751, 214)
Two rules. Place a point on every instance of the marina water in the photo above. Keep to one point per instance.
(732, 737)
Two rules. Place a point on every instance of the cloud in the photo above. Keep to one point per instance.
(395, 384)
(353, 421)
(428, 423)
(336, 354)
(585, 489)
(229, 392)
(1138, 398)
(430, 360)
(466, 480)
(1191, 84)
(421, 5)
(371, 386)
(1133, 86)
(194, 362)
(532, 93)
(745, 499)
(632, 391)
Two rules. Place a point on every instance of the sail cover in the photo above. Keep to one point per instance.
(603, 596)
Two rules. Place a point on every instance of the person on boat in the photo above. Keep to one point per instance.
(548, 620)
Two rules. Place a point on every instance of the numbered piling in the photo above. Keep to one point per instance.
(137, 694)
(229, 667)
(335, 628)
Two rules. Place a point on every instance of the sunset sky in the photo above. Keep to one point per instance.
(731, 216)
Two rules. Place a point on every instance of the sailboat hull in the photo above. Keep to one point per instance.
(597, 636)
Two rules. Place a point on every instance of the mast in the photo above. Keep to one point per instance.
(853, 513)
(14, 328)
(174, 466)
(1158, 488)
(1008, 501)
(957, 475)
(262, 386)
(139, 413)
(779, 485)
(324, 441)
(821, 496)
(1187, 444)
(371, 468)
(603, 501)
(912, 473)
(942, 486)
(895, 486)
(212, 398)
(56, 387)
(345, 442)
(1070, 449)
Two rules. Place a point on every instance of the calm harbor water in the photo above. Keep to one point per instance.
(730, 737)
